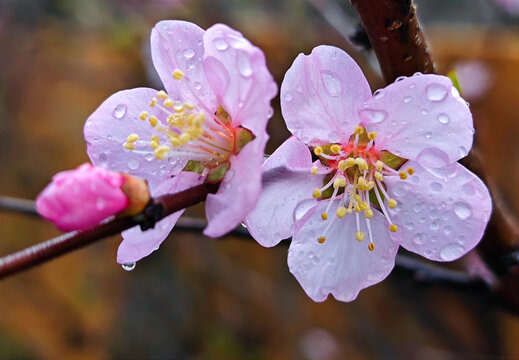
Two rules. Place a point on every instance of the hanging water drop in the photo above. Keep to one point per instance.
(128, 267)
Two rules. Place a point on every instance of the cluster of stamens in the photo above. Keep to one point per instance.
(189, 132)
(359, 172)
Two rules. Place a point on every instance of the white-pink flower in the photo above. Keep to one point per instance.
(210, 122)
(79, 199)
(384, 174)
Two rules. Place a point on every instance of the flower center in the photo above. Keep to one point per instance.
(355, 179)
(189, 133)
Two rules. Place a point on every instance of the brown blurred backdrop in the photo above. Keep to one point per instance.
(198, 298)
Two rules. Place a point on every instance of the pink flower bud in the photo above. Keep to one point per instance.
(79, 199)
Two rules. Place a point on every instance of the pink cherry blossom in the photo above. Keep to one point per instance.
(208, 125)
(385, 174)
(79, 199)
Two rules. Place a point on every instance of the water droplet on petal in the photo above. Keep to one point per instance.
(420, 239)
(451, 252)
(424, 112)
(332, 85)
(133, 164)
(428, 135)
(400, 188)
(435, 225)
(462, 151)
(243, 225)
(436, 187)
(220, 44)
(244, 64)
(436, 92)
(447, 230)
(379, 94)
(374, 116)
(188, 53)
(408, 99)
(149, 156)
(303, 207)
(376, 276)
(400, 78)
(129, 266)
(468, 189)
(462, 210)
(443, 118)
(433, 158)
(103, 157)
(119, 111)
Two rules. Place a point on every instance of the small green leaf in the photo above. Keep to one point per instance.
(391, 160)
(454, 78)
(217, 174)
(243, 137)
(194, 166)
(223, 115)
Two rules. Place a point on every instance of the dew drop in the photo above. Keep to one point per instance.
(462, 151)
(149, 156)
(418, 207)
(420, 238)
(119, 111)
(379, 94)
(468, 189)
(332, 85)
(188, 53)
(244, 64)
(244, 225)
(220, 44)
(451, 252)
(400, 189)
(433, 158)
(428, 135)
(270, 112)
(376, 276)
(436, 92)
(443, 118)
(424, 112)
(288, 96)
(408, 99)
(435, 225)
(436, 186)
(197, 85)
(374, 116)
(303, 207)
(133, 164)
(128, 267)
(400, 78)
(462, 210)
(103, 157)
(409, 225)
(447, 230)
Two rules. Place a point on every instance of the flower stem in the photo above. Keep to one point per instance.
(23, 206)
(50, 249)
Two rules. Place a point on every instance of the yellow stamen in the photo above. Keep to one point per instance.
(393, 228)
(350, 162)
(153, 121)
(379, 176)
(318, 150)
(132, 138)
(335, 148)
(339, 182)
(321, 239)
(368, 214)
(314, 170)
(341, 211)
(324, 216)
(403, 175)
(189, 105)
(155, 138)
(359, 235)
(364, 206)
(162, 94)
(153, 102)
(391, 203)
(177, 74)
(342, 165)
(168, 103)
(317, 193)
(372, 135)
(410, 170)
(379, 165)
(143, 115)
(154, 144)
(161, 151)
(129, 146)
(362, 164)
(371, 246)
(359, 130)
(357, 208)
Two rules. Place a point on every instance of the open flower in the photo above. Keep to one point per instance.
(79, 199)
(385, 174)
(207, 125)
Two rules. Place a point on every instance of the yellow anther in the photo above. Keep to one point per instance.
(168, 103)
(410, 170)
(350, 162)
(129, 146)
(177, 74)
(132, 138)
(189, 105)
(317, 193)
(393, 228)
(314, 170)
(379, 165)
(161, 151)
(178, 108)
(324, 216)
(153, 102)
(154, 144)
(342, 165)
(339, 182)
(361, 163)
(371, 185)
(335, 148)
(391, 203)
(318, 150)
(359, 130)
(359, 235)
(372, 135)
(162, 94)
(321, 239)
(357, 198)
(341, 211)
(143, 115)
(371, 246)
(403, 175)
(379, 176)
(368, 214)
(185, 137)
(155, 138)
(357, 208)
(175, 141)
(153, 121)
(364, 206)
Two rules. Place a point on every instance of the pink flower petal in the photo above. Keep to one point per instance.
(286, 182)
(108, 127)
(420, 114)
(136, 243)
(79, 199)
(341, 266)
(321, 94)
(239, 190)
(441, 212)
(238, 75)
(179, 45)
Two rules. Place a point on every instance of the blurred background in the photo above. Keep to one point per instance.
(199, 298)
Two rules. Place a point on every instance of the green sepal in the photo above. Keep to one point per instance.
(454, 78)
(217, 174)
(243, 137)
(194, 166)
(391, 160)
(223, 115)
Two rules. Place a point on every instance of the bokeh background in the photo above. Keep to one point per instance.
(199, 298)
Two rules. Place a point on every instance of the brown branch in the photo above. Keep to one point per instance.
(156, 210)
(396, 36)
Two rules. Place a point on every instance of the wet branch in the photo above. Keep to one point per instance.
(157, 209)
